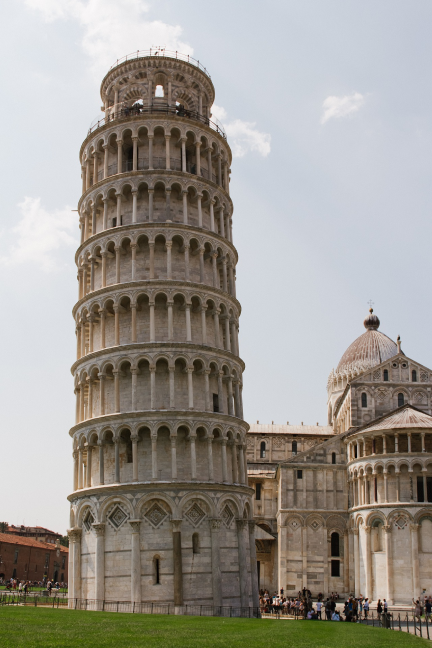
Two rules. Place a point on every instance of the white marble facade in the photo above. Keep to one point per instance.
(160, 510)
(347, 507)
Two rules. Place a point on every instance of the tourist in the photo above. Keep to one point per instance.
(379, 609)
(428, 608)
(335, 616)
(417, 609)
(318, 607)
(328, 609)
(366, 607)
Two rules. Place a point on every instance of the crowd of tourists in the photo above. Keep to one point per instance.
(353, 609)
(26, 586)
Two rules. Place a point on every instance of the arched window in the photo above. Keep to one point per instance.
(401, 400)
(386, 375)
(156, 570)
(129, 454)
(262, 450)
(129, 159)
(333, 457)
(364, 399)
(334, 543)
(195, 543)
(258, 491)
(294, 447)
(159, 91)
(414, 375)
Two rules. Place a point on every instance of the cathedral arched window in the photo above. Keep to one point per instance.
(386, 375)
(334, 543)
(294, 447)
(414, 375)
(364, 399)
(333, 457)
(401, 400)
(262, 450)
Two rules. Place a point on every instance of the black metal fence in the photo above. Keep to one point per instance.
(129, 607)
(397, 620)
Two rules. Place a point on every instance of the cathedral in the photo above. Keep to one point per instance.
(347, 507)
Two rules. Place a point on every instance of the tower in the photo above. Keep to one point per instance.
(160, 509)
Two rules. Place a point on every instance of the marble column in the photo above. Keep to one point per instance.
(99, 564)
(135, 561)
(415, 561)
(356, 562)
(243, 571)
(368, 561)
(215, 524)
(177, 560)
(389, 562)
(253, 564)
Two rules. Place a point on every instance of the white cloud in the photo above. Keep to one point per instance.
(244, 136)
(335, 107)
(39, 235)
(112, 28)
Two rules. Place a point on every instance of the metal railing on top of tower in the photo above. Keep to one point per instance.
(122, 111)
(161, 52)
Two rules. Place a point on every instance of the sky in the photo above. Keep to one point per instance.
(327, 108)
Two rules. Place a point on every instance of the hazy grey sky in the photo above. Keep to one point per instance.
(327, 107)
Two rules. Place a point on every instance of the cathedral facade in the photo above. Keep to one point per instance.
(347, 507)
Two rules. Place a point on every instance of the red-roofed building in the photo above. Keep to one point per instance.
(36, 532)
(29, 559)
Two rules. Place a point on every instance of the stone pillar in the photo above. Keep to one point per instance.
(101, 463)
(356, 562)
(134, 322)
(75, 470)
(234, 461)
(99, 563)
(201, 264)
(172, 386)
(154, 455)
(135, 561)
(190, 387)
(346, 561)
(89, 466)
(183, 154)
(119, 157)
(150, 214)
(198, 157)
(167, 152)
(117, 460)
(116, 391)
(389, 562)
(326, 562)
(152, 387)
(207, 390)
(215, 524)
(102, 378)
(224, 460)
(177, 560)
(185, 206)
(200, 222)
(75, 549)
(168, 246)
(368, 563)
(135, 154)
(210, 457)
(186, 258)
(212, 221)
(204, 325)
(150, 139)
(192, 438)
(415, 561)
(243, 572)
(152, 323)
(173, 456)
(80, 468)
(188, 323)
(253, 564)
(134, 439)
(134, 207)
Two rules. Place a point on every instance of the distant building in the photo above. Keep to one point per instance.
(29, 559)
(37, 532)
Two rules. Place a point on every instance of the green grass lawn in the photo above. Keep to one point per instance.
(48, 628)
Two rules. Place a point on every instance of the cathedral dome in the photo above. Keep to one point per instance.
(370, 349)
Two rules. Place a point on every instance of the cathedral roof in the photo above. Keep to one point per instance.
(369, 350)
(405, 418)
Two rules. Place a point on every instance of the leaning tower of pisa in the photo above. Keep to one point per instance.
(160, 508)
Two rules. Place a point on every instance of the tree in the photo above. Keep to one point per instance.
(4, 527)
(64, 541)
